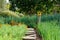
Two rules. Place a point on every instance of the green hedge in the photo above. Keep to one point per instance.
(28, 20)
(31, 21)
(50, 17)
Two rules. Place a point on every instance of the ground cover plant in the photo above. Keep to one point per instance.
(49, 30)
(8, 32)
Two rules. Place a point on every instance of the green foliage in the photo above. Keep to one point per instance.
(29, 20)
(50, 17)
(49, 30)
(1, 20)
(32, 5)
(7, 16)
(8, 32)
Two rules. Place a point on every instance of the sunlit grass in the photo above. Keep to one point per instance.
(8, 32)
(49, 31)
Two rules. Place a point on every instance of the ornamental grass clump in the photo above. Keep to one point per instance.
(49, 30)
(12, 32)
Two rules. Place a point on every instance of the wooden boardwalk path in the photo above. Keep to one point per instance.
(31, 35)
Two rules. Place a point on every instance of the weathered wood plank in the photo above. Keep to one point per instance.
(28, 37)
(31, 29)
(30, 34)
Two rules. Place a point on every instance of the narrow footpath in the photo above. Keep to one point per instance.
(31, 34)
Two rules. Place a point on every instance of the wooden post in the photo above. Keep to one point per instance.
(39, 16)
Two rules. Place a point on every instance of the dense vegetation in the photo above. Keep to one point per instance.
(49, 30)
(8, 32)
(13, 24)
(32, 6)
(30, 21)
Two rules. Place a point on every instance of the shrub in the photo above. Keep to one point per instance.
(29, 20)
(50, 17)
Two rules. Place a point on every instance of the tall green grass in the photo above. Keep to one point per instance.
(8, 32)
(28, 20)
(49, 30)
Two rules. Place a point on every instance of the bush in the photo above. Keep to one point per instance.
(29, 20)
(50, 17)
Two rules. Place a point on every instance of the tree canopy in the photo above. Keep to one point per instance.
(31, 6)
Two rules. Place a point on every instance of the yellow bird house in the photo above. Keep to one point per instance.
(39, 13)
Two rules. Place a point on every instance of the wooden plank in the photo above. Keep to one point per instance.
(29, 37)
(30, 34)
(33, 35)
(31, 29)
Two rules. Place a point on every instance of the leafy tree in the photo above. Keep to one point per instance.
(31, 6)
